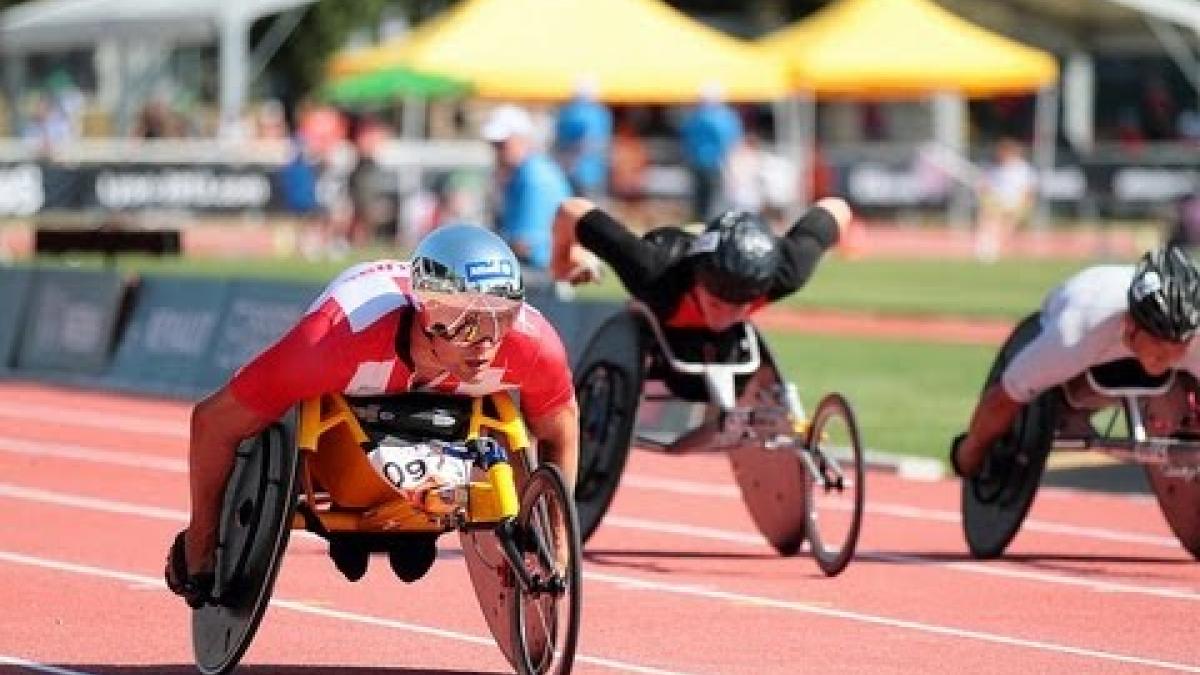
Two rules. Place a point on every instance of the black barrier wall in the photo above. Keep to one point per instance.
(14, 297)
(165, 347)
(177, 336)
(257, 314)
(71, 322)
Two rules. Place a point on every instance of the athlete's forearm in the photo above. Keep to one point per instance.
(558, 440)
(219, 423)
(565, 237)
(992, 418)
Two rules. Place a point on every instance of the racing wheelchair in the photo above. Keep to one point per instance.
(800, 478)
(527, 582)
(1115, 408)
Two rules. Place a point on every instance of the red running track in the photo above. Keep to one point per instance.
(92, 487)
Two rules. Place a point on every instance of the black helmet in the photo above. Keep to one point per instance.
(1163, 294)
(738, 257)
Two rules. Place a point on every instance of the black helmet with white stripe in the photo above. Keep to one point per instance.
(1164, 294)
(738, 257)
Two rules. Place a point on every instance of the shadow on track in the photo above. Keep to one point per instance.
(666, 562)
(601, 556)
(1082, 565)
(251, 669)
(898, 558)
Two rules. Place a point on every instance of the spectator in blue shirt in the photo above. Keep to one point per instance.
(708, 133)
(582, 139)
(531, 184)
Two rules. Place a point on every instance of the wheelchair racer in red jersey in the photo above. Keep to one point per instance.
(453, 320)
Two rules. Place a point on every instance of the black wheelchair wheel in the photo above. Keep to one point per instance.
(1179, 500)
(837, 493)
(255, 525)
(545, 621)
(995, 503)
(608, 386)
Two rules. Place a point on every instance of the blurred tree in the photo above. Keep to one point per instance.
(299, 65)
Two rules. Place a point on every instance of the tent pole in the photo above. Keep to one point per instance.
(233, 47)
(949, 111)
(14, 84)
(805, 103)
(1045, 132)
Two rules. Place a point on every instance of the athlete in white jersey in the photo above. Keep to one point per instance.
(1103, 314)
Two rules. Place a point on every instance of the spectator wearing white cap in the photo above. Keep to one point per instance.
(531, 185)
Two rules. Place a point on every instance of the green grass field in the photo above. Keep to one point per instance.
(910, 397)
(1008, 289)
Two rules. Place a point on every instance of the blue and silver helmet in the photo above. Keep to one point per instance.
(466, 259)
(469, 284)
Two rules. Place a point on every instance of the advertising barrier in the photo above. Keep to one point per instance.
(256, 314)
(71, 321)
(165, 347)
(14, 295)
(178, 336)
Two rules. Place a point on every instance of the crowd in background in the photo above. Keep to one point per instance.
(585, 148)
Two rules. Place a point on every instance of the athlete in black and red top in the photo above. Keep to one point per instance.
(709, 281)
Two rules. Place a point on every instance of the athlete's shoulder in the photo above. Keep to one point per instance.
(365, 292)
(675, 239)
(1112, 279)
(373, 268)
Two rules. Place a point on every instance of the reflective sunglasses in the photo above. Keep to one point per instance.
(468, 319)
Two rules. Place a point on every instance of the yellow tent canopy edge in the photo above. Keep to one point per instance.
(904, 49)
(630, 51)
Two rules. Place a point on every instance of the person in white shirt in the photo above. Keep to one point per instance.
(1006, 198)
(1149, 312)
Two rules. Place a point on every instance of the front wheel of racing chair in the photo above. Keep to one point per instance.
(1179, 500)
(995, 502)
(833, 455)
(608, 384)
(256, 516)
(545, 615)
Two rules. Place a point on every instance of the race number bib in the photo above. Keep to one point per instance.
(418, 467)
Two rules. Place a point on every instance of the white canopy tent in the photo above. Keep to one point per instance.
(59, 25)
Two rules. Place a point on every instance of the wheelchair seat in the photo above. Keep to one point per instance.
(1126, 377)
(700, 366)
(424, 415)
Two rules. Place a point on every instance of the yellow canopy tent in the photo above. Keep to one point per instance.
(633, 51)
(903, 49)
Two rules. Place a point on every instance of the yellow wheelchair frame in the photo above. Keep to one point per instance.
(502, 520)
(331, 441)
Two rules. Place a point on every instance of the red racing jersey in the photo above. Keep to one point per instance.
(354, 339)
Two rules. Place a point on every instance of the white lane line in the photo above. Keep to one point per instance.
(86, 453)
(1098, 585)
(91, 503)
(39, 667)
(646, 525)
(143, 581)
(807, 608)
(755, 540)
(157, 463)
(683, 589)
(700, 489)
(96, 420)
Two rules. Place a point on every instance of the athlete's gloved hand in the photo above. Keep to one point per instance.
(585, 267)
(954, 455)
(194, 589)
